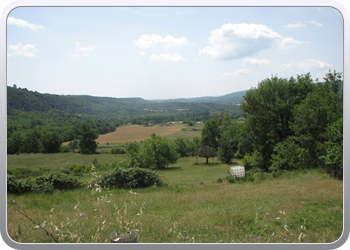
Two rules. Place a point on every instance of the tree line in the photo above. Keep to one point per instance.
(290, 124)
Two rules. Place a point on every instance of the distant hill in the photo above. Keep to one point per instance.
(25, 100)
(233, 98)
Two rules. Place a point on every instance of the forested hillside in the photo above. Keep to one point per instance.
(31, 114)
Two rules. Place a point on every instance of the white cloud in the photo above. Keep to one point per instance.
(288, 43)
(315, 23)
(254, 61)
(305, 65)
(313, 64)
(237, 72)
(147, 41)
(22, 50)
(167, 57)
(82, 51)
(234, 41)
(22, 23)
(295, 25)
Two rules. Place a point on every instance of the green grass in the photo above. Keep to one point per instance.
(191, 207)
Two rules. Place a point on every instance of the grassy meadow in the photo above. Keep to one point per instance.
(196, 204)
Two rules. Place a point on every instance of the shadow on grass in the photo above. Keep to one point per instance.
(171, 168)
(232, 163)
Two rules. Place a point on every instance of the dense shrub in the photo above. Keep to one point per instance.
(288, 155)
(247, 161)
(80, 169)
(118, 151)
(130, 178)
(25, 172)
(43, 184)
(55, 180)
(15, 186)
(64, 149)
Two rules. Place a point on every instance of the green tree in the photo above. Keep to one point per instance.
(157, 152)
(87, 143)
(32, 142)
(207, 152)
(228, 146)
(334, 149)
(269, 111)
(132, 150)
(289, 155)
(14, 143)
(315, 113)
(181, 146)
(210, 133)
(51, 142)
(73, 144)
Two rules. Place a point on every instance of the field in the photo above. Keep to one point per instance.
(139, 133)
(196, 204)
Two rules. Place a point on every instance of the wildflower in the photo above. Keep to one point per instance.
(284, 239)
(186, 237)
(185, 231)
(251, 235)
(14, 201)
(82, 214)
(267, 214)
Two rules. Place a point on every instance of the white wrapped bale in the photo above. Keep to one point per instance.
(237, 172)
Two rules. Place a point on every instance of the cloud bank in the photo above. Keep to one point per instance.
(148, 41)
(234, 41)
(22, 23)
(19, 49)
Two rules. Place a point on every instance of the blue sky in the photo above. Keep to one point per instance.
(164, 53)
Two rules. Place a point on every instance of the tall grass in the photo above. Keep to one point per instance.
(191, 207)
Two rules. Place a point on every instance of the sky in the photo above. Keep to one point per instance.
(168, 52)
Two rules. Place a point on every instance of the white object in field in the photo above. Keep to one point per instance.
(237, 172)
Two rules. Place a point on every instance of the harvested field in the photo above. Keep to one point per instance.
(138, 133)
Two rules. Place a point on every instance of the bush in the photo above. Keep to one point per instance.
(55, 180)
(15, 186)
(130, 178)
(64, 149)
(288, 155)
(80, 169)
(247, 161)
(118, 151)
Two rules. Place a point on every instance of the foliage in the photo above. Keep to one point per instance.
(51, 142)
(46, 183)
(130, 178)
(289, 155)
(227, 144)
(157, 152)
(269, 111)
(55, 180)
(15, 186)
(182, 146)
(87, 143)
(286, 120)
(73, 144)
(334, 149)
(118, 150)
(210, 134)
(207, 152)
